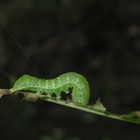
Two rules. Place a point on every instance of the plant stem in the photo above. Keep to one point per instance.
(132, 117)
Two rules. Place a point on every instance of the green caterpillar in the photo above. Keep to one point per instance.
(78, 83)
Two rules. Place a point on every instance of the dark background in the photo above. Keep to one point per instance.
(99, 39)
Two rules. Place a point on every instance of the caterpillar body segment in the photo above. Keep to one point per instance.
(78, 83)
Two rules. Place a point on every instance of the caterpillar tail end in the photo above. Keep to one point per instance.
(12, 90)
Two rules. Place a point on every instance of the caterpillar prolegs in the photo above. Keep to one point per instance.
(78, 83)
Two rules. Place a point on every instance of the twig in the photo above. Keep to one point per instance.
(4, 92)
(98, 108)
